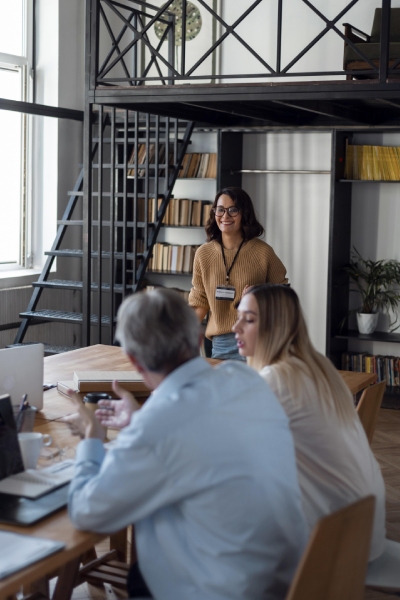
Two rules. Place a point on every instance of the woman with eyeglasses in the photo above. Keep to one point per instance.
(335, 464)
(232, 259)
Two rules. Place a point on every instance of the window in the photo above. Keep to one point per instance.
(15, 84)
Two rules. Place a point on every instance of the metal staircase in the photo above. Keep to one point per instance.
(118, 231)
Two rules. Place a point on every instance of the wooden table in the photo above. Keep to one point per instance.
(358, 381)
(58, 526)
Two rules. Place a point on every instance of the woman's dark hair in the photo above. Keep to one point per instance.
(251, 228)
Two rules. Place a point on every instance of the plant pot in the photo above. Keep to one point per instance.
(367, 322)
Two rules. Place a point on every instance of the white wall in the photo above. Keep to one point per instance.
(57, 143)
(294, 209)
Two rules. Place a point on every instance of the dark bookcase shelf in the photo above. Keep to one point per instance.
(377, 336)
(368, 181)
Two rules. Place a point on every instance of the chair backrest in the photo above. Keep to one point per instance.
(334, 563)
(368, 407)
(394, 25)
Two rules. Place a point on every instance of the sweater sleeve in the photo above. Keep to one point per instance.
(276, 270)
(197, 295)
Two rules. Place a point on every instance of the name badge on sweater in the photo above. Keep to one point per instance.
(225, 292)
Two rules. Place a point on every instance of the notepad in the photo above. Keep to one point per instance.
(19, 551)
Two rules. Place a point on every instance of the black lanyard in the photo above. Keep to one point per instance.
(233, 262)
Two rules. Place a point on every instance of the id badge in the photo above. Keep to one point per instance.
(225, 292)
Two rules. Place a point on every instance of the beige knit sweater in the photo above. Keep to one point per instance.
(256, 263)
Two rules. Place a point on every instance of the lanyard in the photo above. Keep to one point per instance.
(233, 262)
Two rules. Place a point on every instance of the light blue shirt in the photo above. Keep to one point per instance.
(206, 470)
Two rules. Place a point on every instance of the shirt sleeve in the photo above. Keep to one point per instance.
(276, 272)
(198, 296)
(114, 489)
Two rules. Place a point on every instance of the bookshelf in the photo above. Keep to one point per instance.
(225, 149)
(363, 215)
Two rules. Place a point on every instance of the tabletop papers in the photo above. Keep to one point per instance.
(19, 551)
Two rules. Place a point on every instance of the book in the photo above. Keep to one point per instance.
(101, 381)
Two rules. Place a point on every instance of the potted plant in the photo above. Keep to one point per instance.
(378, 283)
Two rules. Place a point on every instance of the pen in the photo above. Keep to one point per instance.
(22, 407)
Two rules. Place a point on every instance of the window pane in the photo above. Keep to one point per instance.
(11, 26)
(10, 170)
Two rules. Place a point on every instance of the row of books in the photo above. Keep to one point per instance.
(184, 212)
(373, 163)
(142, 158)
(180, 211)
(199, 165)
(170, 258)
(386, 367)
(183, 293)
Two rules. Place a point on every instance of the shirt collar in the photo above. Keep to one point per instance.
(184, 374)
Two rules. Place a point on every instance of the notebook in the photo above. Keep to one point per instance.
(27, 496)
(21, 372)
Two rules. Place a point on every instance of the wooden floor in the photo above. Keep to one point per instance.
(386, 447)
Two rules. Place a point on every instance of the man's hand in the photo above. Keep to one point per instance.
(117, 413)
(83, 422)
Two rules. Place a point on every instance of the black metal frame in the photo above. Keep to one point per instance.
(112, 232)
(136, 73)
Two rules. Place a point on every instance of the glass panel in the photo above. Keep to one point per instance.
(10, 169)
(11, 26)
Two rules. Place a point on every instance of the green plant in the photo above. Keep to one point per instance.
(378, 282)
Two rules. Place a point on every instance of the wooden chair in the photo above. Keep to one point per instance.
(368, 407)
(334, 563)
(369, 45)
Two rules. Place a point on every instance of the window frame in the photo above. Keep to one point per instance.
(24, 63)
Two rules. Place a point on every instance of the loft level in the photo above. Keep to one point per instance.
(288, 104)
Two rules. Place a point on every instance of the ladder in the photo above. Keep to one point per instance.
(135, 159)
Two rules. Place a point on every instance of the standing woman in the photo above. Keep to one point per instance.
(232, 259)
(335, 463)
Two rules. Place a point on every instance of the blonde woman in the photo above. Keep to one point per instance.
(334, 460)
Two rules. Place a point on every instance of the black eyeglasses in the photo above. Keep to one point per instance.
(232, 211)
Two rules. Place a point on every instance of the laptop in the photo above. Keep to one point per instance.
(21, 372)
(42, 492)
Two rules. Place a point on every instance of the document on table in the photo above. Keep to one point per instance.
(19, 551)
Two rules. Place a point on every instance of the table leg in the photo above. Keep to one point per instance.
(119, 542)
(66, 580)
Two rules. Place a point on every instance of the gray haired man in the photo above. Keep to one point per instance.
(205, 469)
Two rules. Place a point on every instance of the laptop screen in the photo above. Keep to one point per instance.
(10, 453)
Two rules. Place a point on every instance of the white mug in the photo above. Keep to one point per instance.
(31, 444)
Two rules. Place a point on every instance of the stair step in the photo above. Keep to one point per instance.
(119, 194)
(49, 349)
(62, 284)
(61, 316)
(79, 254)
(106, 223)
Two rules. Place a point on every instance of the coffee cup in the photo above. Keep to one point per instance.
(31, 444)
(91, 401)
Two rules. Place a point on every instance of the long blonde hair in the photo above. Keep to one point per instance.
(282, 337)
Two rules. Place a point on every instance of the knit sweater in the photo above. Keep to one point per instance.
(256, 263)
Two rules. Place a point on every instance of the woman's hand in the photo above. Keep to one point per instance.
(246, 289)
(117, 414)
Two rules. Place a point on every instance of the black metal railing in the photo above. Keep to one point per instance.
(133, 42)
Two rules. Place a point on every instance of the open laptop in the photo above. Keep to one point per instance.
(48, 496)
(21, 372)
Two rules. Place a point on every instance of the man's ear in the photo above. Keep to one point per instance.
(138, 367)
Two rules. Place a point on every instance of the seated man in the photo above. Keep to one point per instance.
(205, 469)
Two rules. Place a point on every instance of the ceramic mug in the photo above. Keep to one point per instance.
(31, 444)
